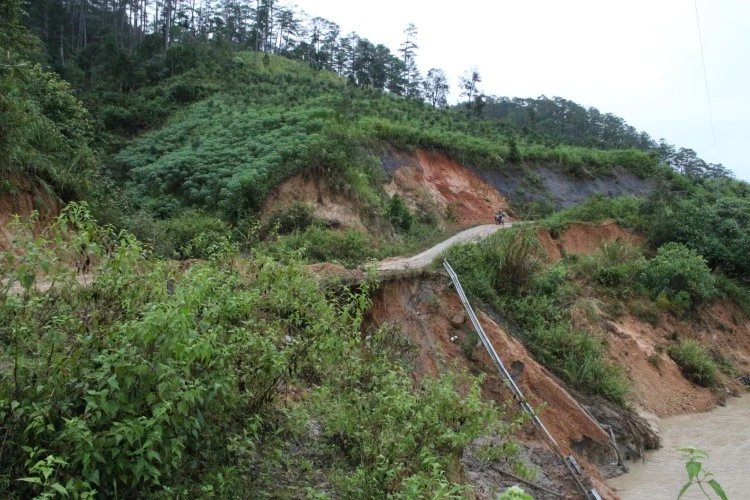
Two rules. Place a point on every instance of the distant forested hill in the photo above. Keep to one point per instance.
(562, 120)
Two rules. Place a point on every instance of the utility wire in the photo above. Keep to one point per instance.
(705, 79)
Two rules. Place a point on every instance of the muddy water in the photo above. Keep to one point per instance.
(724, 433)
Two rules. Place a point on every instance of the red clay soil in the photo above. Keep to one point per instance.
(326, 205)
(433, 318)
(434, 179)
(727, 329)
(23, 203)
(583, 239)
(550, 245)
(658, 384)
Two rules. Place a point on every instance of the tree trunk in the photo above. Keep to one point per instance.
(167, 22)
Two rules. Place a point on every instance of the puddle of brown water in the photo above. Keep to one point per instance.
(724, 433)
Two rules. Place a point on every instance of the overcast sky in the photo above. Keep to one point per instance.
(639, 59)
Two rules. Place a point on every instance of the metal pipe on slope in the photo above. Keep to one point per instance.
(512, 384)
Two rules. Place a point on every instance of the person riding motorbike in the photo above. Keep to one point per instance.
(500, 217)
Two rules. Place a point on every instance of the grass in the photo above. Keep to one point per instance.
(507, 272)
(598, 208)
(695, 362)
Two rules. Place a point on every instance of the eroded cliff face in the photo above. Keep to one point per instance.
(454, 194)
(428, 312)
(540, 182)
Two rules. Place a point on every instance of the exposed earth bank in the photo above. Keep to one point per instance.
(426, 310)
(22, 200)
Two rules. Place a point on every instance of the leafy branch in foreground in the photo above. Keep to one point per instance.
(697, 475)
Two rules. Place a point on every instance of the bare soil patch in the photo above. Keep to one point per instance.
(584, 239)
(333, 208)
(461, 197)
(430, 315)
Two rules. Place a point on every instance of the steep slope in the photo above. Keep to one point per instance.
(430, 315)
(427, 311)
(432, 181)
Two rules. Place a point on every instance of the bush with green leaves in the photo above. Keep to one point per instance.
(614, 266)
(718, 230)
(45, 131)
(398, 213)
(190, 235)
(147, 372)
(153, 381)
(319, 244)
(296, 217)
(395, 436)
(679, 274)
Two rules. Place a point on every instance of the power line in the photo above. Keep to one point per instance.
(705, 79)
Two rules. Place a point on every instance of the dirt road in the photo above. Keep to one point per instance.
(425, 258)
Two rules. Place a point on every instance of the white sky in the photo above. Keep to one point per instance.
(638, 59)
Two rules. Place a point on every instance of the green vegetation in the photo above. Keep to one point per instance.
(718, 228)
(626, 211)
(676, 279)
(318, 244)
(698, 475)
(698, 230)
(45, 132)
(695, 361)
(679, 275)
(507, 272)
(225, 153)
(234, 373)
(233, 376)
(398, 213)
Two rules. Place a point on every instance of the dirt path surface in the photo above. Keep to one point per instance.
(425, 258)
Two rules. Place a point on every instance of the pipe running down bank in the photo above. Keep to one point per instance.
(568, 462)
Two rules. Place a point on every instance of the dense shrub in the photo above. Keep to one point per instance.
(678, 273)
(191, 235)
(44, 131)
(614, 265)
(398, 213)
(718, 231)
(409, 451)
(318, 244)
(296, 217)
(152, 381)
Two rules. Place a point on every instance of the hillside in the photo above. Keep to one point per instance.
(215, 296)
(226, 154)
